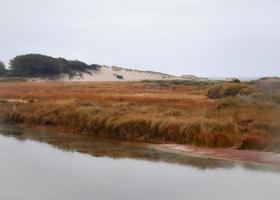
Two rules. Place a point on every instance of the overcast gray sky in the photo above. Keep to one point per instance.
(200, 37)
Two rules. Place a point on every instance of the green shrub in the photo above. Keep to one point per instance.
(232, 89)
(225, 90)
(214, 92)
(236, 80)
(119, 76)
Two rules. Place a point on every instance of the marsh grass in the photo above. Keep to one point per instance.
(135, 111)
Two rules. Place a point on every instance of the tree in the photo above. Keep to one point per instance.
(33, 65)
(37, 65)
(2, 68)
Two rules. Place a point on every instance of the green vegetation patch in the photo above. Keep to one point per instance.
(41, 66)
(228, 89)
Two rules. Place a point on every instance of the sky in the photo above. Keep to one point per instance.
(213, 38)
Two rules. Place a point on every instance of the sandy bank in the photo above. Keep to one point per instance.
(268, 158)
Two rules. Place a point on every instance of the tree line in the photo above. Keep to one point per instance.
(42, 66)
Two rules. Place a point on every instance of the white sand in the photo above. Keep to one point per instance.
(110, 74)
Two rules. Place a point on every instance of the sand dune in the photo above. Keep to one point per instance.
(106, 73)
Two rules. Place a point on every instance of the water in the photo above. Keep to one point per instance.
(33, 170)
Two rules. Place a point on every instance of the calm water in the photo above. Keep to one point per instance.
(33, 170)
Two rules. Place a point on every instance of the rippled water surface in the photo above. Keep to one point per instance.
(34, 170)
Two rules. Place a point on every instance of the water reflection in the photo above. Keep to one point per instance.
(34, 170)
(115, 149)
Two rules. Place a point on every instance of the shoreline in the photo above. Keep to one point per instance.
(248, 156)
(271, 159)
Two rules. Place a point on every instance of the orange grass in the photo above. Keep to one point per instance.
(141, 112)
